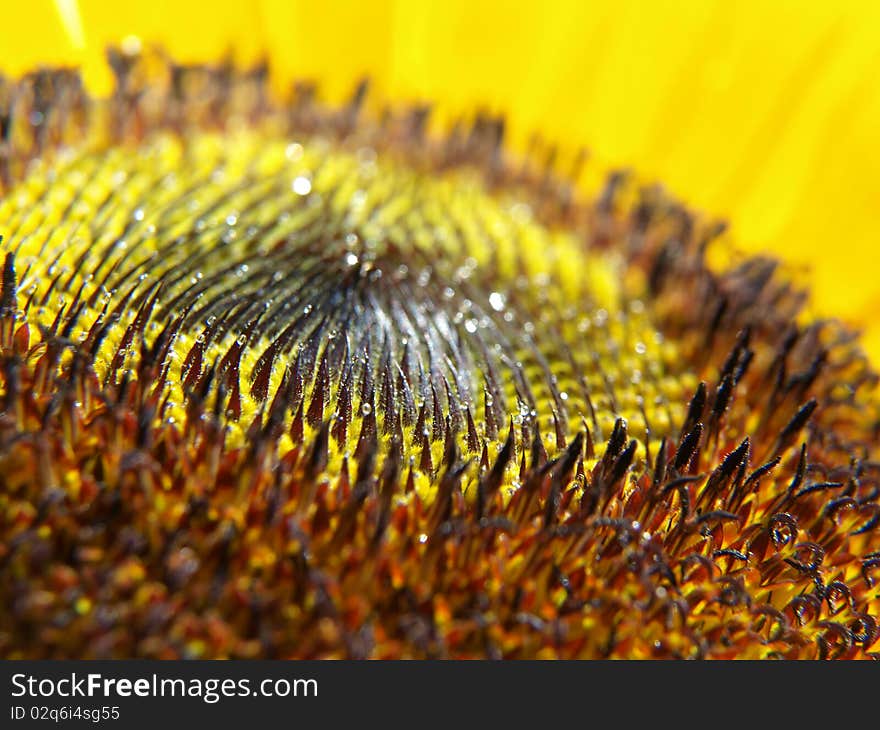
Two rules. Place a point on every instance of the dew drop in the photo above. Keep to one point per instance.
(302, 185)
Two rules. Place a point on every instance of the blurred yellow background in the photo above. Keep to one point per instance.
(766, 113)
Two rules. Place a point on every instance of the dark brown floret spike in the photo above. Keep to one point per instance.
(688, 448)
(793, 428)
(491, 483)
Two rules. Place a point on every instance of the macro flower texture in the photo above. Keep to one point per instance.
(477, 330)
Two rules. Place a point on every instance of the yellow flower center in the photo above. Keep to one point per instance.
(342, 286)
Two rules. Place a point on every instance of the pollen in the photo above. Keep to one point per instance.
(281, 380)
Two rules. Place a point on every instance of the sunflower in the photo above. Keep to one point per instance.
(308, 370)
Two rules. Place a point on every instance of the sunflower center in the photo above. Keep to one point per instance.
(349, 288)
(276, 381)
